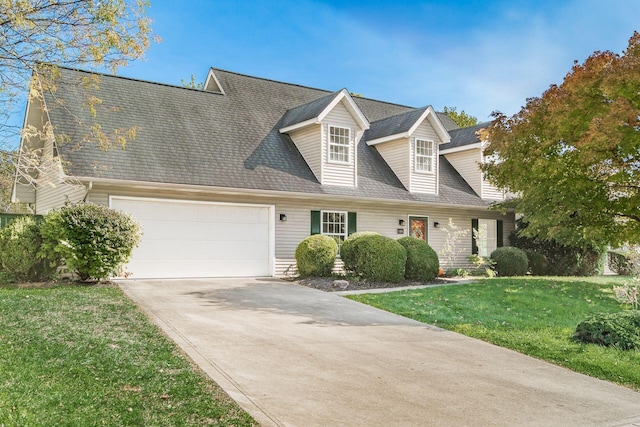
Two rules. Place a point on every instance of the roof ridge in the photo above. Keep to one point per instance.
(309, 87)
(134, 79)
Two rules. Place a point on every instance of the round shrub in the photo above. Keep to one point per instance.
(94, 241)
(347, 255)
(538, 264)
(510, 261)
(378, 258)
(20, 251)
(620, 329)
(315, 255)
(422, 260)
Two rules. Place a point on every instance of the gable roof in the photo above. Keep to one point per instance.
(464, 137)
(403, 125)
(316, 110)
(198, 138)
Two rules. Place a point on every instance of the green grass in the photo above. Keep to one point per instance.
(534, 316)
(86, 356)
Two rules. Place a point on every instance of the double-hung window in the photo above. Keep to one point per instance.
(487, 236)
(424, 155)
(334, 224)
(339, 144)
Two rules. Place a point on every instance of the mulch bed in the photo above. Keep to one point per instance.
(326, 284)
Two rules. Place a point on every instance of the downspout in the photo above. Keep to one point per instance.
(89, 187)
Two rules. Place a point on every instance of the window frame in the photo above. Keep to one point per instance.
(344, 234)
(430, 158)
(331, 143)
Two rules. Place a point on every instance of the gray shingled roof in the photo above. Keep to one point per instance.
(307, 111)
(464, 136)
(394, 125)
(192, 137)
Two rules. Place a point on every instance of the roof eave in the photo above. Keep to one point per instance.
(475, 145)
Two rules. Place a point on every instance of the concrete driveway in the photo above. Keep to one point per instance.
(294, 356)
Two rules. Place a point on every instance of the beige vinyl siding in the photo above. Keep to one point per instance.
(424, 182)
(466, 163)
(490, 192)
(54, 193)
(308, 142)
(338, 173)
(397, 154)
(380, 217)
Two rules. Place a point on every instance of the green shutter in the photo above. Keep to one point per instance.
(499, 233)
(474, 245)
(315, 222)
(352, 223)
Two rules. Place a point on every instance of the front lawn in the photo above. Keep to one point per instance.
(535, 316)
(86, 356)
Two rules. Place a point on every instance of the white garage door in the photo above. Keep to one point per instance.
(194, 239)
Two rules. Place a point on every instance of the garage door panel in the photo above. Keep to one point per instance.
(194, 239)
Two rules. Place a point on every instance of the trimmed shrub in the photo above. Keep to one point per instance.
(94, 241)
(315, 255)
(378, 258)
(620, 329)
(422, 260)
(510, 261)
(586, 260)
(20, 251)
(538, 263)
(622, 264)
(347, 255)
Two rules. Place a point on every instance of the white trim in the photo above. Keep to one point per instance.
(437, 125)
(233, 191)
(296, 126)
(476, 145)
(351, 105)
(271, 210)
(210, 76)
(348, 146)
(388, 138)
(346, 224)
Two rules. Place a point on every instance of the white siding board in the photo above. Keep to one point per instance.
(397, 154)
(308, 142)
(338, 173)
(466, 163)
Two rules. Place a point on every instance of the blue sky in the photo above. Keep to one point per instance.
(478, 56)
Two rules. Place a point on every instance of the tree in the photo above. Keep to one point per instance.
(193, 84)
(573, 155)
(462, 119)
(37, 36)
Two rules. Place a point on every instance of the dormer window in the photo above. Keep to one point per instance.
(339, 144)
(424, 156)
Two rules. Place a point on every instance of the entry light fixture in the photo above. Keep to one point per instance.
(283, 217)
(401, 222)
(436, 225)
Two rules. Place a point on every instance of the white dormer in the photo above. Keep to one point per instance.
(326, 132)
(466, 154)
(409, 144)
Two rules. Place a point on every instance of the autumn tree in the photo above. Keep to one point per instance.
(572, 156)
(37, 36)
(461, 118)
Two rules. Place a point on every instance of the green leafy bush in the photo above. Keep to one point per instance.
(20, 251)
(585, 260)
(422, 260)
(316, 255)
(377, 258)
(621, 263)
(94, 241)
(510, 261)
(538, 263)
(347, 255)
(620, 329)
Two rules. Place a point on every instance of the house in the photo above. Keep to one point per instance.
(226, 181)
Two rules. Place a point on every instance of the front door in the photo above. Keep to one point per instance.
(418, 227)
